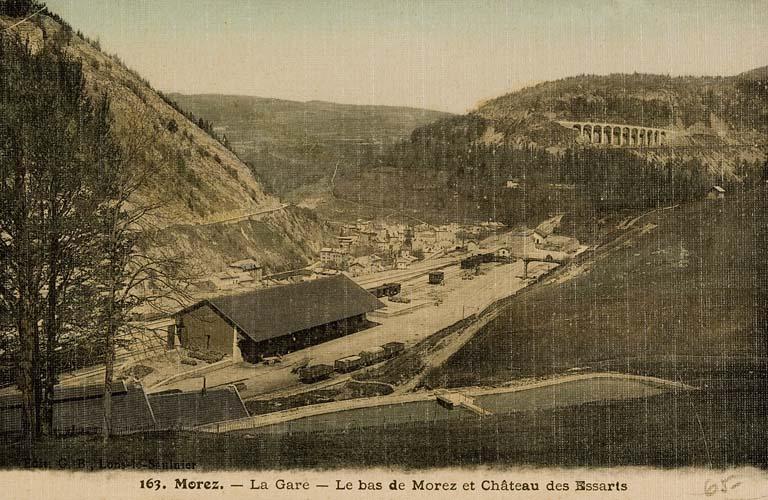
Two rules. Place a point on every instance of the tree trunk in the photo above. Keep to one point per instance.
(109, 346)
(51, 334)
(28, 380)
(109, 366)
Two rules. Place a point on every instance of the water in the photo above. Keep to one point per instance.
(383, 417)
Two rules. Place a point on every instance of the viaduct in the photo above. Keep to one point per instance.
(614, 134)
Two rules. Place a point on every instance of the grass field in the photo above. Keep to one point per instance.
(686, 297)
(718, 427)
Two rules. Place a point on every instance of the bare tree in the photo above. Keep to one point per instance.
(135, 273)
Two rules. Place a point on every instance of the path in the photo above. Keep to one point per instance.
(238, 218)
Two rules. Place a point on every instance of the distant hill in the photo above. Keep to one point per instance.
(294, 146)
(197, 180)
(731, 107)
(456, 167)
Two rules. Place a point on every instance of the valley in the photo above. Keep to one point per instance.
(570, 274)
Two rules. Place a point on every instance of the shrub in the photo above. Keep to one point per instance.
(207, 356)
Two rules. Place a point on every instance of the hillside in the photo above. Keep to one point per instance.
(457, 167)
(196, 179)
(682, 295)
(294, 147)
(732, 108)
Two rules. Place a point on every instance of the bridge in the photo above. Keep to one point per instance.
(614, 134)
(548, 259)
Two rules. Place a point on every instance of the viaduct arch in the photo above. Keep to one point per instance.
(614, 134)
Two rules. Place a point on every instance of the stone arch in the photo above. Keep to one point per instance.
(625, 133)
(617, 136)
(663, 138)
(597, 134)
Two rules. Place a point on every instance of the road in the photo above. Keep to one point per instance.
(246, 216)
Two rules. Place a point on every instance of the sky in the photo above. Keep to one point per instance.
(443, 55)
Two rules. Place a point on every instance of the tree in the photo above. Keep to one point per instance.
(76, 249)
(134, 272)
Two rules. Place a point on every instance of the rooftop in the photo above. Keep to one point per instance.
(272, 312)
(190, 409)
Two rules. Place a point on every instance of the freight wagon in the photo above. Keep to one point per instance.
(369, 357)
(386, 290)
(348, 364)
(470, 262)
(436, 277)
(374, 355)
(393, 348)
(315, 373)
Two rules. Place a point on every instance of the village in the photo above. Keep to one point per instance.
(252, 337)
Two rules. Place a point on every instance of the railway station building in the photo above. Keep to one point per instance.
(276, 320)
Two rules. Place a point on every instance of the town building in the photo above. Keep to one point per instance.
(545, 229)
(338, 258)
(503, 253)
(716, 193)
(276, 320)
(561, 243)
(229, 280)
(346, 241)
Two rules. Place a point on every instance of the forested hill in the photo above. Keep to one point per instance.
(298, 145)
(194, 178)
(457, 166)
(727, 105)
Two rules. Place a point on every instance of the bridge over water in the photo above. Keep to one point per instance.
(615, 134)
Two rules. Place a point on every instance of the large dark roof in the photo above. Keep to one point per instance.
(281, 310)
(67, 393)
(79, 409)
(189, 409)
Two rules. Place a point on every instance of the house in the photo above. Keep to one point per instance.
(561, 243)
(545, 229)
(716, 193)
(503, 254)
(228, 280)
(246, 265)
(335, 257)
(345, 241)
(357, 268)
(540, 236)
(401, 263)
(471, 246)
(276, 320)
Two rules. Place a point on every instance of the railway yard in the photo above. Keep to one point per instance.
(423, 309)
